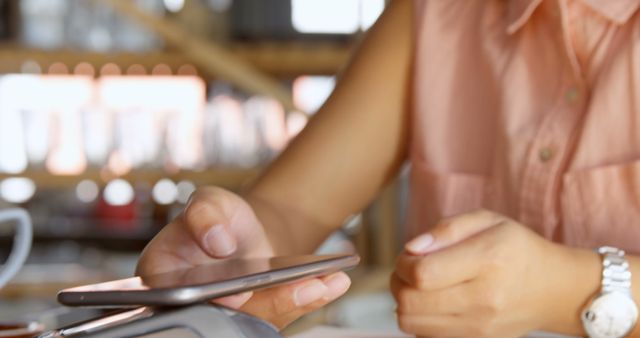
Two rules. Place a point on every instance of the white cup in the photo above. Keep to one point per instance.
(21, 243)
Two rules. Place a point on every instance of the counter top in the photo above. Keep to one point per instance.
(326, 331)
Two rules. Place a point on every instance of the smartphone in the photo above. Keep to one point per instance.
(205, 282)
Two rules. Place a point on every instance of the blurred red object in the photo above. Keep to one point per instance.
(117, 217)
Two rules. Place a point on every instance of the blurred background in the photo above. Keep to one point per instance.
(112, 112)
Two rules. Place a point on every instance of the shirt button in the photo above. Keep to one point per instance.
(571, 95)
(545, 154)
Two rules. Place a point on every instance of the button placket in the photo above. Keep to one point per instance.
(571, 96)
(551, 147)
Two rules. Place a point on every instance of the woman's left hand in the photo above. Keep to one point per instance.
(484, 275)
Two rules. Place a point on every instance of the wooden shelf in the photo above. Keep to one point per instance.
(293, 59)
(229, 178)
(284, 60)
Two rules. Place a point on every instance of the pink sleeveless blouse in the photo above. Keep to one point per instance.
(530, 108)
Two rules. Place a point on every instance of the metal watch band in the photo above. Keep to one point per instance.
(615, 270)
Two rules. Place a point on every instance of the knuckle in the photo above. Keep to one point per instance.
(449, 229)
(195, 211)
(404, 302)
(406, 324)
(210, 194)
(492, 303)
(423, 273)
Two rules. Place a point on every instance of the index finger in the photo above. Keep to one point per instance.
(453, 230)
(441, 269)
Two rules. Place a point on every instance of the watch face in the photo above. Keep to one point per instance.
(611, 315)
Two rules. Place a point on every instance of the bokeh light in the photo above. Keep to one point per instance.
(84, 68)
(118, 193)
(58, 68)
(136, 69)
(87, 191)
(31, 67)
(164, 192)
(174, 6)
(110, 69)
(161, 69)
(185, 189)
(310, 92)
(188, 70)
(17, 189)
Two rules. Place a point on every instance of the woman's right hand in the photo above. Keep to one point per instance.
(218, 224)
(326, 174)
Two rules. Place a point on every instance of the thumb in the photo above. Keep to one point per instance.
(206, 219)
(453, 230)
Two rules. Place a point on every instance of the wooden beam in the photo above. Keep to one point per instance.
(281, 60)
(207, 55)
(293, 59)
(12, 58)
(228, 178)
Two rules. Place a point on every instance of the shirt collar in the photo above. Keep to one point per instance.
(618, 11)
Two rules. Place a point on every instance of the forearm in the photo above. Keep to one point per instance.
(289, 231)
(339, 162)
(579, 273)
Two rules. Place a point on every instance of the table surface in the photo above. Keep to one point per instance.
(326, 331)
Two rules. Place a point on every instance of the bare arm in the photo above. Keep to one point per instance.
(350, 149)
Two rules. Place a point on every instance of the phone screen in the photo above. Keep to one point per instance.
(205, 281)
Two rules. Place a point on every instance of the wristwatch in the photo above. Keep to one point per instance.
(613, 312)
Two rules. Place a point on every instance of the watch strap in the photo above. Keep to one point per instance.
(615, 270)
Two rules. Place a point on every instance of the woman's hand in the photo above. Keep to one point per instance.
(218, 224)
(484, 275)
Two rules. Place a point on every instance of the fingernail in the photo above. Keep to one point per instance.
(337, 284)
(219, 242)
(309, 292)
(420, 245)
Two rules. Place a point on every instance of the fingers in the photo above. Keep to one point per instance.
(207, 221)
(283, 304)
(171, 249)
(234, 301)
(451, 301)
(434, 326)
(453, 230)
(444, 268)
(440, 313)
